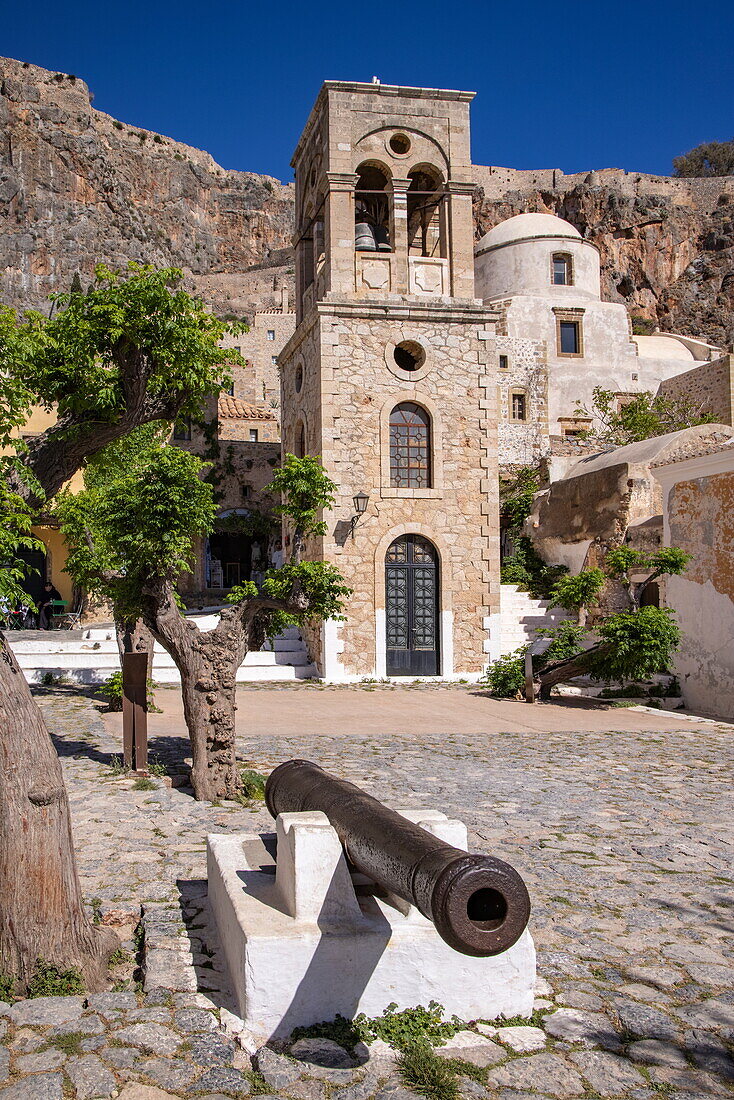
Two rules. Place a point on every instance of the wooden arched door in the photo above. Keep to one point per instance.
(411, 607)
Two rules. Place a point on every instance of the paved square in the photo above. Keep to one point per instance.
(619, 821)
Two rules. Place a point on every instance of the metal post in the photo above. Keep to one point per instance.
(135, 711)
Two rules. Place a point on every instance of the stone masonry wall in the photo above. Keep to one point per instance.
(358, 391)
(522, 443)
(707, 386)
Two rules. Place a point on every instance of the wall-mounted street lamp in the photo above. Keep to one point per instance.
(361, 500)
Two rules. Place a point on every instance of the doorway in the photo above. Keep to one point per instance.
(411, 607)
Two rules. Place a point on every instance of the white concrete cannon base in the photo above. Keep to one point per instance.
(305, 941)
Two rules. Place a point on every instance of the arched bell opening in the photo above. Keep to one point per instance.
(412, 607)
(425, 213)
(371, 210)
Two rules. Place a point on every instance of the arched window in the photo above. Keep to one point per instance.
(410, 447)
(561, 269)
(424, 213)
(371, 210)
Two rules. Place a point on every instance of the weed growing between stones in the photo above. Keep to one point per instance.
(7, 988)
(144, 784)
(431, 1076)
(70, 1043)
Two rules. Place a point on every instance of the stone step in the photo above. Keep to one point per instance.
(91, 656)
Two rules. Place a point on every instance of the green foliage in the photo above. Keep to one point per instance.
(711, 158)
(516, 498)
(642, 326)
(306, 490)
(120, 956)
(527, 569)
(400, 1029)
(70, 1042)
(505, 677)
(7, 988)
(404, 1028)
(423, 1071)
(143, 505)
(252, 785)
(319, 583)
(623, 560)
(79, 361)
(17, 343)
(644, 417)
(111, 690)
(49, 981)
(642, 643)
(573, 593)
(565, 642)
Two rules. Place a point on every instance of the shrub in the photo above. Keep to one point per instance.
(7, 988)
(527, 570)
(642, 643)
(111, 690)
(711, 158)
(49, 981)
(252, 784)
(505, 677)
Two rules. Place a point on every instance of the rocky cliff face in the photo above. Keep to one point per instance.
(77, 187)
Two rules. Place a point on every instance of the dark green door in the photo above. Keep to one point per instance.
(411, 607)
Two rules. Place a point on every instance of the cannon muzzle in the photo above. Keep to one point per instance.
(479, 904)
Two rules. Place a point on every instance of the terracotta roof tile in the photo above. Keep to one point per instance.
(232, 408)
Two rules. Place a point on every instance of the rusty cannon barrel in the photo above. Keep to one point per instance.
(479, 904)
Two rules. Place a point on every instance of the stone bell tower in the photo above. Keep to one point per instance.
(390, 379)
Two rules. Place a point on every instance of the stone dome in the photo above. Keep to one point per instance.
(524, 227)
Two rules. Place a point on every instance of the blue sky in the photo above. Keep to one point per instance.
(572, 86)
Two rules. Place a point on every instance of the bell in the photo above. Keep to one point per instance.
(382, 238)
(364, 238)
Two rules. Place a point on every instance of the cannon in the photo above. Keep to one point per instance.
(479, 904)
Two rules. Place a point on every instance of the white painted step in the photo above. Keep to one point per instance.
(521, 617)
(92, 656)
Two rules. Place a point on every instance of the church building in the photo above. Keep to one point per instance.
(390, 377)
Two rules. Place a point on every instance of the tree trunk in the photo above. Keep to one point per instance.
(566, 669)
(207, 662)
(133, 636)
(42, 912)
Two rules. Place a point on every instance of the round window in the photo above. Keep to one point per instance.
(409, 355)
(399, 144)
(299, 378)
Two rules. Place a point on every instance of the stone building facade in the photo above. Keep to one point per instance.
(390, 377)
(258, 381)
(559, 340)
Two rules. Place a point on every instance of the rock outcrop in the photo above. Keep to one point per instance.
(77, 187)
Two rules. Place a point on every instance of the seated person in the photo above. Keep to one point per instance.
(45, 606)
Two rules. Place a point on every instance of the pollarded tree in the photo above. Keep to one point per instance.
(132, 350)
(132, 536)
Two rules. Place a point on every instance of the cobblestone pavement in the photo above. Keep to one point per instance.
(624, 839)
